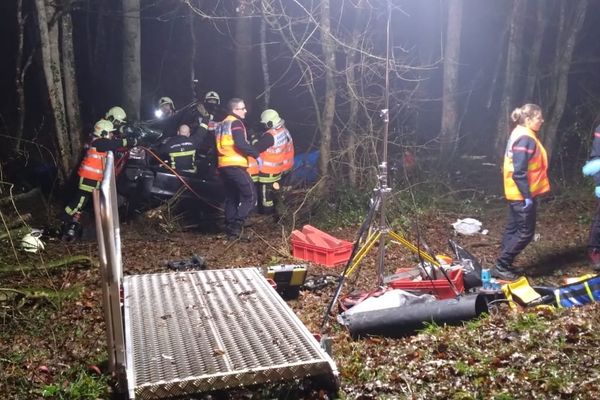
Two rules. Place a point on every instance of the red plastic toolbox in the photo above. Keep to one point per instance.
(313, 245)
(438, 287)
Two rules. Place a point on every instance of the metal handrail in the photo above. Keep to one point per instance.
(109, 249)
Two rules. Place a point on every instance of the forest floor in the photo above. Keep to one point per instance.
(52, 341)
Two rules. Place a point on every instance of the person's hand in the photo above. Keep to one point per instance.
(528, 204)
(597, 191)
(201, 110)
(591, 167)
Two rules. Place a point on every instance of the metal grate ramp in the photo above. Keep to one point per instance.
(197, 331)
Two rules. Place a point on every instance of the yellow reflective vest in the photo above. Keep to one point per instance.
(537, 169)
(228, 155)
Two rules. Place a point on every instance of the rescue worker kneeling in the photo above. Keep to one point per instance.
(91, 173)
(277, 154)
(180, 150)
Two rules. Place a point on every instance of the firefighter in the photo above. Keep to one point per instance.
(91, 172)
(166, 107)
(525, 174)
(181, 150)
(592, 168)
(116, 115)
(277, 154)
(233, 150)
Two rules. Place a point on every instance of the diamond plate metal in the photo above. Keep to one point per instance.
(196, 331)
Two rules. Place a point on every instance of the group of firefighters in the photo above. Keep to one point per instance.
(250, 168)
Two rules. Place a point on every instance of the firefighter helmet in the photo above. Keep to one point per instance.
(103, 128)
(31, 242)
(116, 114)
(166, 100)
(271, 118)
(212, 97)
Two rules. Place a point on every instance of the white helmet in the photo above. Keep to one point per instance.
(116, 114)
(31, 242)
(102, 128)
(166, 100)
(212, 97)
(271, 118)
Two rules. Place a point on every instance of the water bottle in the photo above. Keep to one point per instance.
(485, 279)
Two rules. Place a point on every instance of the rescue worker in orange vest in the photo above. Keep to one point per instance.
(277, 154)
(592, 168)
(233, 150)
(525, 174)
(91, 172)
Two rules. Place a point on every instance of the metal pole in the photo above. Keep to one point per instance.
(383, 178)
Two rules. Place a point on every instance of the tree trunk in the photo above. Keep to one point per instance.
(514, 60)
(243, 54)
(19, 78)
(71, 92)
(536, 50)
(449, 128)
(264, 62)
(132, 81)
(566, 44)
(51, 66)
(193, 44)
(328, 47)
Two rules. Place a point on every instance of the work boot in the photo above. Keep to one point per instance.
(594, 258)
(505, 273)
(71, 231)
(233, 230)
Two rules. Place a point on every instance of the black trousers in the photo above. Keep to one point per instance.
(81, 199)
(240, 197)
(594, 239)
(520, 229)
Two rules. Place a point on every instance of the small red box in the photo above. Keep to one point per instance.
(438, 287)
(313, 245)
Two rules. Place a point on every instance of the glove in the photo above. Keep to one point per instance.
(528, 204)
(259, 161)
(591, 167)
(597, 191)
(202, 110)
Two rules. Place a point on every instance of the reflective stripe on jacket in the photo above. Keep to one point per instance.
(277, 158)
(228, 155)
(92, 166)
(537, 168)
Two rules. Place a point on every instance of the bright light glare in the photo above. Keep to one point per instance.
(158, 113)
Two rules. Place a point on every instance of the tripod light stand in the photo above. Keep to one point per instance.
(380, 232)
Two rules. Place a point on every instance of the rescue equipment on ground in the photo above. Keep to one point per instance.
(316, 246)
(32, 241)
(194, 263)
(578, 293)
(288, 278)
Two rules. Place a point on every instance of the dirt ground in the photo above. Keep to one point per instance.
(53, 345)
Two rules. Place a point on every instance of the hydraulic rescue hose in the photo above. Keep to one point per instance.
(164, 164)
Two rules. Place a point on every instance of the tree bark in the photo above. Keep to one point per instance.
(243, 55)
(449, 128)
(513, 66)
(51, 66)
(132, 82)
(71, 93)
(264, 61)
(19, 78)
(328, 48)
(536, 50)
(566, 44)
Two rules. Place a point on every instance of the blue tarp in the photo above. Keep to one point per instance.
(306, 169)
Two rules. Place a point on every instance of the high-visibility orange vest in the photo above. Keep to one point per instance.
(278, 158)
(92, 166)
(228, 155)
(537, 169)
